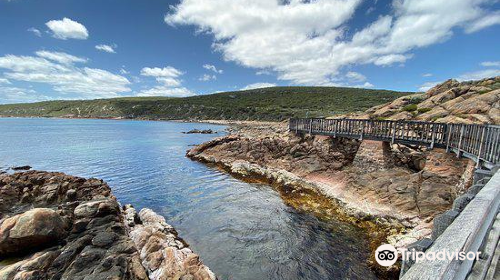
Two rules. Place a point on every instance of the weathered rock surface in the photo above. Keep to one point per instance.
(368, 178)
(163, 253)
(451, 101)
(55, 226)
(37, 227)
(294, 154)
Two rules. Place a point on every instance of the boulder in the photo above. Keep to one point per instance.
(449, 84)
(36, 228)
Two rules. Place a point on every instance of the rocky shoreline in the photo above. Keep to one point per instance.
(392, 192)
(56, 226)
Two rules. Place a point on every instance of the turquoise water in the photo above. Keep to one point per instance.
(240, 230)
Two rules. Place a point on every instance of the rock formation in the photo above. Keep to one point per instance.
(55, 226)
(371, 179)
(449, 102)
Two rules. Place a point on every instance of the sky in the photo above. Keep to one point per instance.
(76, 49)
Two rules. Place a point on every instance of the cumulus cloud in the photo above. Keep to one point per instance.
(58, 70)
(483, 22)
(35, 31)
(355, 76)
(67, 29)
(165, 72)
(470, 76)
(306, 42)
(61, 57)
(478, 75)
(106, 48)
(207, 77)
(428, 85)
(212, 68)
(169, 81)
(491, 64)
(258, 85)
(17, 95)
(166, 91)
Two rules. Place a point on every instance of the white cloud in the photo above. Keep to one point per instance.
(212, 68)
(58, 70)
(123, 71)
(355, 76)
(469, 76)
(168, 71)
(306, 41)
(169, 80)
(491, 64)
(35, 31)
(17, 95)
(262, 72)
(106, 48)
(67, 29)
(367, 85)
(4, 81)
(207, 77)
(427, 75)
(166, 91)
(258, 85)
(483, 22)
(428, 85)
(478, 75)
(61, 57)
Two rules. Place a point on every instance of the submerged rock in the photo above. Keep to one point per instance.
(203, 131)
(22, 167)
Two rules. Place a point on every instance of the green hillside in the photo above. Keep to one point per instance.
(276, 103)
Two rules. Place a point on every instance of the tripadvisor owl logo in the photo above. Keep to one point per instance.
(386, 255)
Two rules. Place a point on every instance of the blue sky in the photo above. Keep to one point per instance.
(68, 49)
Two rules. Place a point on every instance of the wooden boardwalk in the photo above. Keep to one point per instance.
(473, 227)
(481, 143)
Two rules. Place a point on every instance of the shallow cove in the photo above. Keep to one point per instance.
(241, 230)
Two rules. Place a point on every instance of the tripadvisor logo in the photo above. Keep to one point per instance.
(386, 255)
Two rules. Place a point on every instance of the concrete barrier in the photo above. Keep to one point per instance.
(466, 233)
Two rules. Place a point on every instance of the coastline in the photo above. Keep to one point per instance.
(57, 225)
(378, 217)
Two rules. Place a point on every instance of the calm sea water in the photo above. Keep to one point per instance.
(240, 230)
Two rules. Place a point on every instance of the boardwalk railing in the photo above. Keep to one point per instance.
(478, 142)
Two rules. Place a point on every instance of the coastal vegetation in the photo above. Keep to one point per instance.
(270, 104)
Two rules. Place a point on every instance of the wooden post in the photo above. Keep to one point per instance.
(362, 130)
(459, 152)
(395, 125)
(335, 127)
(449, 128)
(433, 135)
(478, 163)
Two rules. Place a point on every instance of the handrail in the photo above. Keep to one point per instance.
(481, 143)
(466, 234)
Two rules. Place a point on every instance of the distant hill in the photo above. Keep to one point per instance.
(273, 104)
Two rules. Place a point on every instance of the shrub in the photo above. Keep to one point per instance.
(423, 110)
(410, 108)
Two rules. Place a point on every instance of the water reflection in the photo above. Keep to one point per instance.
(241, 230)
